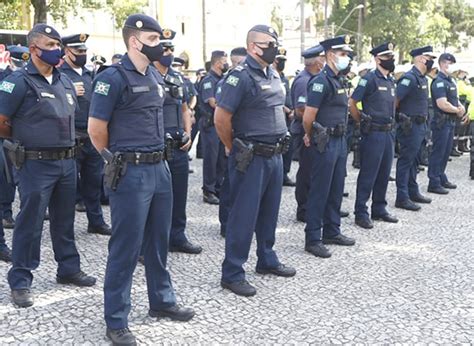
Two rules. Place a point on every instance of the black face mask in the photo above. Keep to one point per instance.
(153, 53)
(225, 68)
(429, 65)
(281, 65)
(388, 65)
(269, 54)
(81, 59)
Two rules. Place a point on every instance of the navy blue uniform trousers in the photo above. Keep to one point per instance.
(141, 213)
(323, 219)
(376, 157)
(212, 165)
(442, 144)
(179, 167)
(42, 184)
(303, 179)
(254, 205)
(407, 163)
(89, 186)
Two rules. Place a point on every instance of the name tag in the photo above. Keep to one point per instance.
(266, 87)
(452, 88)
(48, 95)
(423, 87)
(383, 88)
(340, 91)
(140, 89)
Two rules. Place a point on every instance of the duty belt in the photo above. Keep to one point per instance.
(381, 128)
(81, 141)
(266, 150)
(137, 158)
(62, 154)
(418, 119)
(338, 131)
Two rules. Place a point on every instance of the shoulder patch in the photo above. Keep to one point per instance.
(318, 87)
(405, 82)
(301, 99)
(440, 85)
(232, 80)
(362, 82)
(102, 88)
(7, 87)
(207, 85)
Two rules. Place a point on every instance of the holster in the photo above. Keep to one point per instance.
(405, 122)
(169, 147)
(243, 155)
(114, 169)
(320, 137)
(15, 152)
(285, 143)
(365, 123)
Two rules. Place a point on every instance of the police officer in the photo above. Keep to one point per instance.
(126, 127)
(376, 90)
(212, 166)
(237, 56)
(37, 105)
(251, 123)
(116, 58)
(412, 105)
(447, 109)
(177, 125)
(314, 62)
(89, 162)
(19, 57)
(279, 66)
(325, 124)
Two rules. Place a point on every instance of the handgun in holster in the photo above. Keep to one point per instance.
(285, 143)
(405, 122)
(320, 136)
(114, 169)
(243, 155)
(440, 119)
(169, 147)
(15, 152)
(365, 123)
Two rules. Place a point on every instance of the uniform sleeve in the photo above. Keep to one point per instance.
(360, 90)
(438, 89)
(12, 93)
(208, 90)
(232, 92)
(317, 91)
(107, 90)
(299, 92)
(405, 86)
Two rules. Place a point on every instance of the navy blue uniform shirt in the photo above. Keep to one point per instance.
(412, 91)
(444, 86)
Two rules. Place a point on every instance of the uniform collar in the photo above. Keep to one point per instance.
(328, 71)
(417, 72)
(128, 64)
(444, 76)
(214, 74)
(381, 75)
(30, 68)
(252, 63)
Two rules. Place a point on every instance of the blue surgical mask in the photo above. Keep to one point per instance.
(342, 62)
(50, 57)
(166, 60)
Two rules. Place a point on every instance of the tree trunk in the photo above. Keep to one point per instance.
(41, 11)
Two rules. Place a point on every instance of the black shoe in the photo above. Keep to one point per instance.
(300, 218)
(103, 229)
(104, 201)
(386, 218)
(446, 185)
(364, 222)
(407, 205)
(241, 288)
(345, 194)
(287, 181)
(318, 250)
(121, 337)
(80, 279)
(23, 298)
(6, 255)
(190, 171)
(141, 259)
(187, 247)
(340, 239)
(8, 222)
(343, 213)
(210, 198)
(281, 270)
(420, 199)
(438, 190)
(175, 312)
(46, 216)
(390, 178)
(455, 153)
(420, 168)
(80, 207)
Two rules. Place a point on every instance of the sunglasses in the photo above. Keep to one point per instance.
(269, 44)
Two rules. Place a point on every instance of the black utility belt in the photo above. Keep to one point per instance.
(265, 150)
(81, 141)
(447, 116)
(337, 131)
(381, 128)
(418, 119)
(175, 144)
(52, 154)
(137, 158)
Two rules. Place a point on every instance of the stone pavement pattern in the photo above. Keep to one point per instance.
(406, 283)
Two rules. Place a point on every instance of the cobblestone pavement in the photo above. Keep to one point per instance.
(404, 283)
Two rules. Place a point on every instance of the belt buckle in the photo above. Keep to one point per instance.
(62, 155)
(156, 157)
(137, 158)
